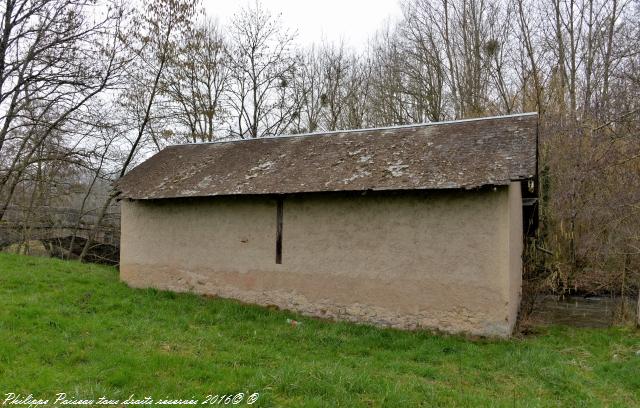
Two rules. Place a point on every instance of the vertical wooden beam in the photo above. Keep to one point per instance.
(279, 213)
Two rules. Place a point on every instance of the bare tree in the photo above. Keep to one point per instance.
(263, 68)
(308, 89)
(55, 59)
(154, 34)
(197, 83)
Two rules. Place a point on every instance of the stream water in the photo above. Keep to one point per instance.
(580, 311)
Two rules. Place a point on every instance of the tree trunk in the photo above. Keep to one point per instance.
(101, 215)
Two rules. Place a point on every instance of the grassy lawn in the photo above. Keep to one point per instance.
(74, 328)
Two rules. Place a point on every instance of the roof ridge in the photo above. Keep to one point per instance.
(424, 124)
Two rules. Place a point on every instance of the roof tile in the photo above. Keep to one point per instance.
(446, 155)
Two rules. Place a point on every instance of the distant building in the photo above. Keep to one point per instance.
(415, 226)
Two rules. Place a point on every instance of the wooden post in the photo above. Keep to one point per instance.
(279, 213)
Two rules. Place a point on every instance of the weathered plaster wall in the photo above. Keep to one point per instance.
(445, 260)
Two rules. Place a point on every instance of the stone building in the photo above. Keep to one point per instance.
(417, 226)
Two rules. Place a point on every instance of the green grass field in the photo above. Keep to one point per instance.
(74, 328)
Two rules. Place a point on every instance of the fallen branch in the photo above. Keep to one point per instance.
(546, 251)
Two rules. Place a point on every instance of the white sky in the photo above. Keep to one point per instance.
(353, 21)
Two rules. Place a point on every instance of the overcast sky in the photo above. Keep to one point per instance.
(352, 20)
